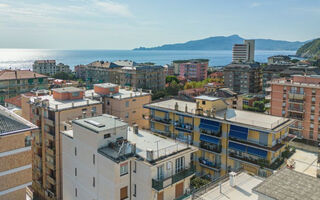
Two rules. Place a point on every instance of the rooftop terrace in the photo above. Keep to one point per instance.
(123, 94)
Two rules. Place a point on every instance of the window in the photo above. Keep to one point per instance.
(108, 102)
(94, 182)
(160, 172)
(127, 115)
(133, 99)
(312, 117)
(311, 125)
(75, 172)
(134, 190)
(65, 128)
(27, 141)
(127, 103)
(135, 167)
(124, 193)
(312, 108)
(203, 102)
(134, 111)
(179, 164)
(75, 192)
(75, 151)
(75, 94)
(106, 135)
(94, 159)
(124, 169)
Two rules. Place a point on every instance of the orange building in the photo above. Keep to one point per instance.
(298, 98)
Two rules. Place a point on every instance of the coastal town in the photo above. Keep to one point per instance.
(185, 130)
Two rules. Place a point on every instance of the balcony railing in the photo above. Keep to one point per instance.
(162, 183)
(211, 133)
(206, 163)
(297, 96)
(165, 133)
(183, 127)
(296, 116)
(216, 149)
(294, 109)
(161, 120)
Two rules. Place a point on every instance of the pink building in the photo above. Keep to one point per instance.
(195, 69)
(298, 98)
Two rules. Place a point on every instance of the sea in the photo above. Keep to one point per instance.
(24, 58)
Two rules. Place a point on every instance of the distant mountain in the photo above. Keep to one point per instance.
(226, 43)
(310, 49)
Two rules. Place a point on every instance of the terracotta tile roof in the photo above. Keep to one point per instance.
(17, 99)
(19, 74)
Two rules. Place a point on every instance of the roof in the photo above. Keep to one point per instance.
(11, 123)
(106, 85)
(100, 123)
(207, 98)
(17, 99)
(19, 74)
(122, 94)
(289, 184)
(242, 191)
(67, 89)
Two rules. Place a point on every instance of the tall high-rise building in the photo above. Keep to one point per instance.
(103, 159)
(15, 155)
(243, 52)
(53, 114)
(298, 98)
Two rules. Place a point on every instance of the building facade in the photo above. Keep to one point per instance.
(53, 113)
(242, 53)
(228, 139)
(15, 82)
(15, 155)
(103, 159)
(49, 67)
(194, 69)
(243, 78)
(298, 98)
(124, 103)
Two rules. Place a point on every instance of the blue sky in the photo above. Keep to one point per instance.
(126, 24)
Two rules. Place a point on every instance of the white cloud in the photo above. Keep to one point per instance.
(114, 8)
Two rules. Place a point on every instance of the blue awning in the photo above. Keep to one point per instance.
(209, 139)
(238, 132)
(209, 122)
(257, 152)
(237, 147)
(210, 128)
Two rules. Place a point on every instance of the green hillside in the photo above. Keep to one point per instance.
(310, 49)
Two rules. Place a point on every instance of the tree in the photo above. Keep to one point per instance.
(173, 88)
(64, 76)
(295, 60)
(169, 79)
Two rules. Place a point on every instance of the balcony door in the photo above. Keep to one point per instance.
(160, 172)
(179, 189)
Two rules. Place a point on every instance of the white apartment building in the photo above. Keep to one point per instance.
(243, 52)
(49, 67)
(103, 158)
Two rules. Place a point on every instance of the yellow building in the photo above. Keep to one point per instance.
(228, 139)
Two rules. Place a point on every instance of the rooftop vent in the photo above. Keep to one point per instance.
(94, 123)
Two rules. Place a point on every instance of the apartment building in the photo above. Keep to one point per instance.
(123, 73)
(15, 155)
(194, 69)
(243, 78)
(242, 53)
(278, 59)
(298, 98)
(49, 67)
(124, 103)
(228, 139)
(104, 159)
(53, 113)
(15, 82)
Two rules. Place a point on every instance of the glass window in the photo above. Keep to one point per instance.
(179, 164)
(160, 172)
(123, 169)
(127, 103)
(75, 94)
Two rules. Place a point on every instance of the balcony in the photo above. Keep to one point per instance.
(50, 194)
(297, 116)
(296, 109)
(208, 164)
(165, 133)
(51, 180)
(296, 101)
(163, 183)
(51, 165)
(210, 133)
(161, 120)
(185, 127)
(50, 151)
(49, 122)
(211, 148)
(296, 96)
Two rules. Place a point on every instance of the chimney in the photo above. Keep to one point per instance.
(136, 129)
(149, 155)
(232, 179)
(198, 104)
(56, 106)
(186, 108)
(176, 106)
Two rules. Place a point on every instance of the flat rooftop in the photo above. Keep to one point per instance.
(100, 123)
(290, 184)
(106, 85)
(207, 98)
(242, 190)
(305, 162)
(237, 116)
(161, 146)
(67, 89)
(11, 123)
(122, 94)
(63, 104)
